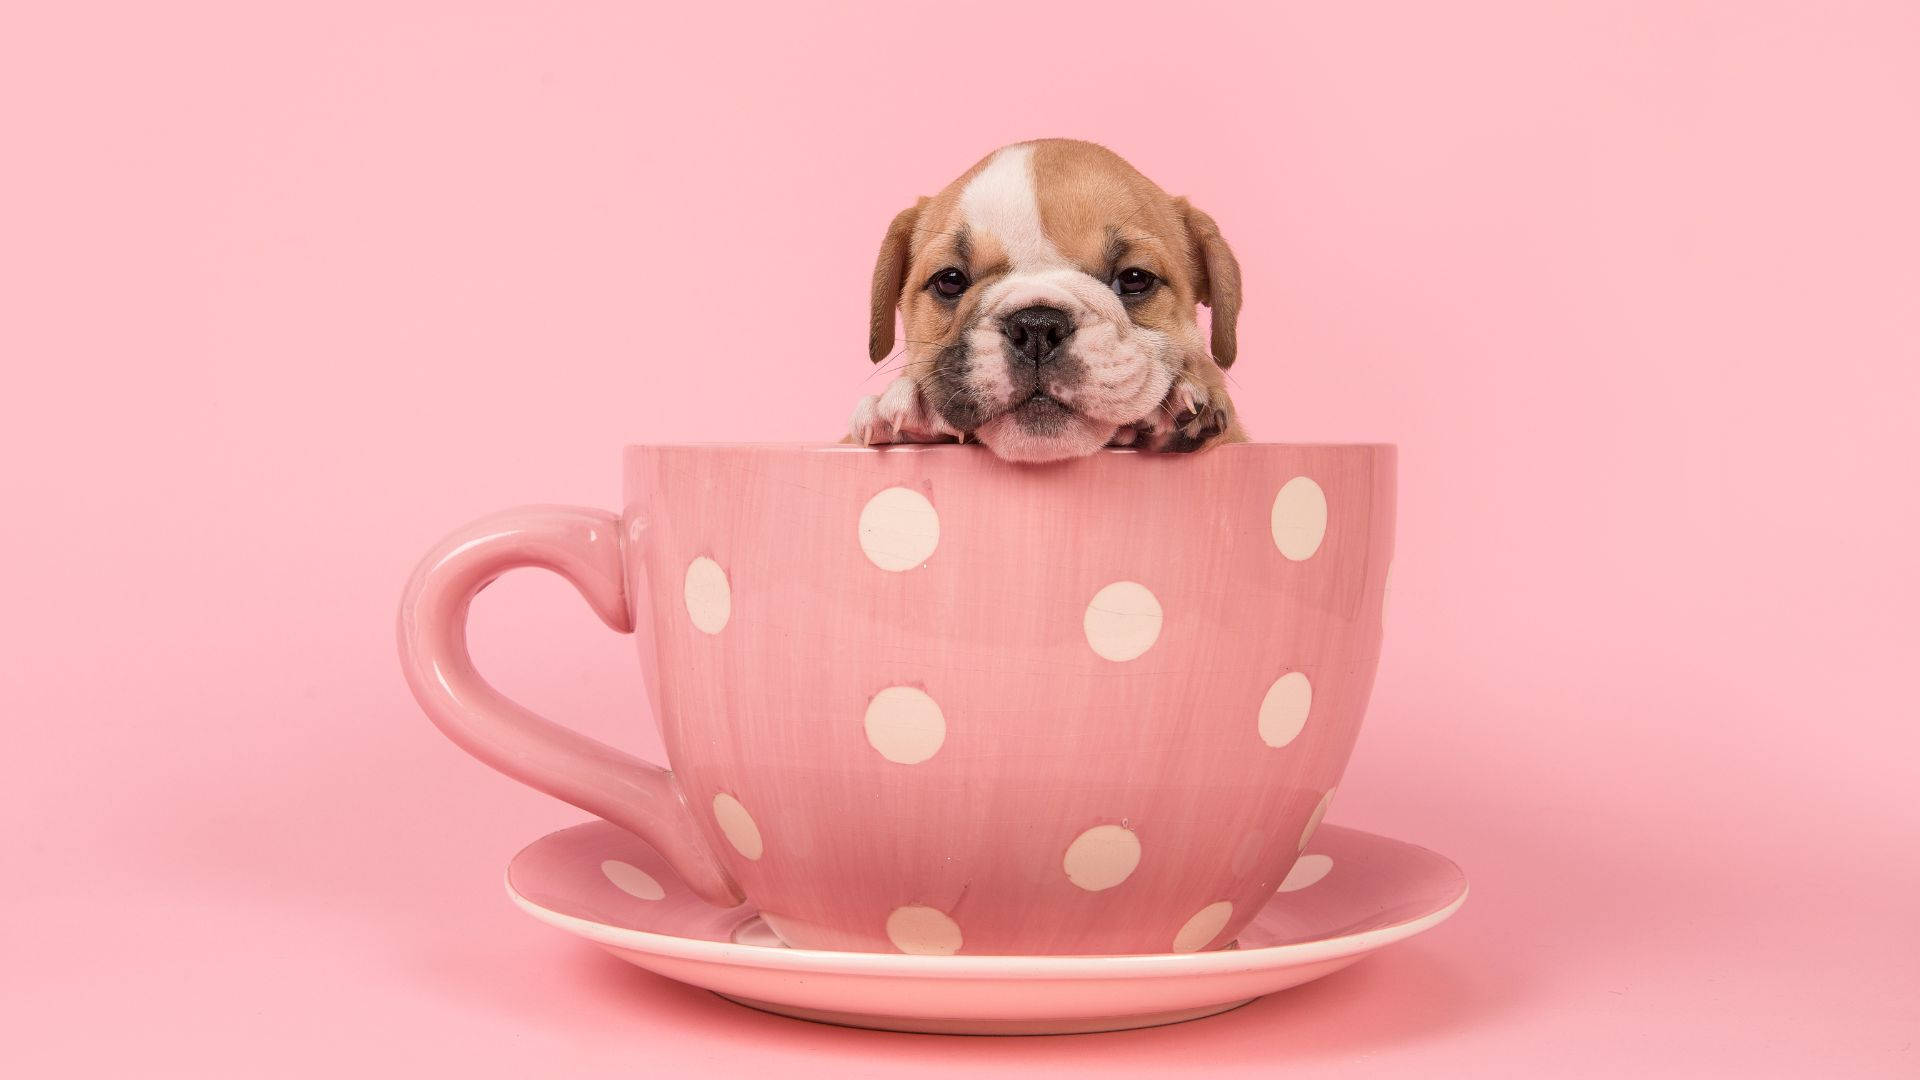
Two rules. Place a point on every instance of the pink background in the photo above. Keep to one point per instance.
(284, 297)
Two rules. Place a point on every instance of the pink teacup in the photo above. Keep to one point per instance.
(918, 699)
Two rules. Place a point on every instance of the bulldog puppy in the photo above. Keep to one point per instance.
(1048, 298)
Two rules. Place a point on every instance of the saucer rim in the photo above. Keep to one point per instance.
(996, 966)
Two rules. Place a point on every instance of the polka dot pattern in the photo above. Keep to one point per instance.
(1122, 621)
(1313, 822)
(905, 725)
(1283, 712)
(709, 596)
(632, 880)
(1102, 857)
(1299, 518)
(1307, 870)
(737, 826)
(923, 931)
(1205, 925)
(899, 529)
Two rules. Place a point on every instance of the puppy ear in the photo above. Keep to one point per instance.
(1217, 278)
(889, 273)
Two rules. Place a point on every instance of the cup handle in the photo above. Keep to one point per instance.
(583, 546)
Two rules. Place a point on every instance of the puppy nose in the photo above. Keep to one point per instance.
(1036, 332)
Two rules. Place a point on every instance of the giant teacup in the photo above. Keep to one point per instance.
(918, 699)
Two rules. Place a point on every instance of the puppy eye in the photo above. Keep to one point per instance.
(1133, 281)
(950, 282)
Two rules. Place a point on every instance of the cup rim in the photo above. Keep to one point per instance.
(971, 448)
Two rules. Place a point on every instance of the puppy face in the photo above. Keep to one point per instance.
(1048, 299)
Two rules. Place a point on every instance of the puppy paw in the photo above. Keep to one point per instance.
(897, 415)
(1190, 418)
(1205, 417)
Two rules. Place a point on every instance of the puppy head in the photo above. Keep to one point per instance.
(1048, 296)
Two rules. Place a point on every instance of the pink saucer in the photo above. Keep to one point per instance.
(1351, 894)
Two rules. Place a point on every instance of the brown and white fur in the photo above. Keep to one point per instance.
(1026, 324)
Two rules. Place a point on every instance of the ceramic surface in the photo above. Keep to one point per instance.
(918, 700)
(1350, 894)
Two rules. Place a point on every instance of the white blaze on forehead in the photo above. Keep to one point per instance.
(999, 202)
(1121, 371)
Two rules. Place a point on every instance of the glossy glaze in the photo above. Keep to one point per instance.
(919, 700)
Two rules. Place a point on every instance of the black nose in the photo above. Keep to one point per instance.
(1036, 332)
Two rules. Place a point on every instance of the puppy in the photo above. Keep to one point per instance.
(1048, 298)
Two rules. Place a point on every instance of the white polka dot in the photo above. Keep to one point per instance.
(1123, 620)
(1306, 870)
(1313, 822)
(737, 825)
(1299, 518)
(923, 931)
(1102, 857)
(899, 529)
(632, 880)
(905, 725)
(709, 597)
(1205, 925)
(1283, 712)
